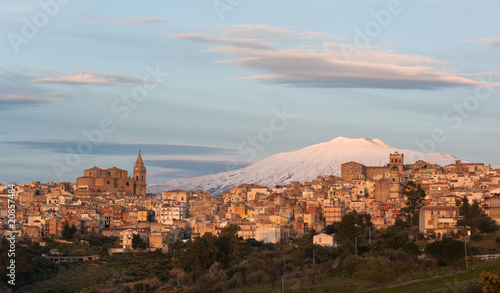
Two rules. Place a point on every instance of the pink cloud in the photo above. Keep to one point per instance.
(329, 62)
(92, 77)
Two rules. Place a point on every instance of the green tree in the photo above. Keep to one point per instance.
(447, 250)
(465, 209)
(137, 242)
(354, 225)
(415, 196)
(486, 225)
(201, 253)
(228, 242)
(474, 213)
(68, 231)
(331, 229)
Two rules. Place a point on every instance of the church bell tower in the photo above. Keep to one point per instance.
(140, 177)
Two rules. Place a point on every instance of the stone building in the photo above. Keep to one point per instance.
(353, 170)
(113, 180)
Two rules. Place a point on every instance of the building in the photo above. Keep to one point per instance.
(177, 196)
(492, 208)
(324, 240)
(439, 219)
(352, 170)
(112, 180)
(166, 213)
(334, 214)
(396, 160)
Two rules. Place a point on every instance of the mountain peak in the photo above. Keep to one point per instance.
(360, 140)
(302, 165)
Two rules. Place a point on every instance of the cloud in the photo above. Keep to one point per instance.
(114, 149)
(238, 42)
(311, 59)
(192, 167)
(492, 42)
(16, 90)
(254, 31)
(92, 77)
(132, 21)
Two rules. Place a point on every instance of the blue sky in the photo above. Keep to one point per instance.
(206, 86)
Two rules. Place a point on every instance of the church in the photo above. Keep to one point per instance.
(114, 181)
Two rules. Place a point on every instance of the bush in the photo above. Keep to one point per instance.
(476, 237)
(255, 278)
(497, 240)
(446, 251)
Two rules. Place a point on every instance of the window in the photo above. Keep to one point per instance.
(128, 184)
(107, 182)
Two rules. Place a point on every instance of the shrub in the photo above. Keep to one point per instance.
(411, 248)
(497, 240)
(476, 237)
(255, 277)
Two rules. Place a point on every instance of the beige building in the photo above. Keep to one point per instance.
(113, 180)
(439, 219)
(334, 214)
(177, 196)
(352, 170)
(492, 208)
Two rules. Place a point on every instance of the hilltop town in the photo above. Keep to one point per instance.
(111, 203)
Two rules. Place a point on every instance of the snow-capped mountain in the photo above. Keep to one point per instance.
(302, 165)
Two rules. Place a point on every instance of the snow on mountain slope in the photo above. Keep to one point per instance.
(302, 165)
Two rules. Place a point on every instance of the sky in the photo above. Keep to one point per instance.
(202, 87)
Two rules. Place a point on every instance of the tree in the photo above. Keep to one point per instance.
(228, 241)
(474, 213)
(447, 250)
(201, 253)
(331, 229)
(137, 242)
(354, 225)
(470, 212)
(486, 225)
(68, 232)
(465, 208)
(415, 196)
(177, 273)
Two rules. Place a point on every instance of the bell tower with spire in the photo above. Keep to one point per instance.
(140, 177)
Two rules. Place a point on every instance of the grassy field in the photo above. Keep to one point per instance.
(445, 279)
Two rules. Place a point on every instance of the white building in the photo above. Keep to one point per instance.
(165, 213)
(324, 240)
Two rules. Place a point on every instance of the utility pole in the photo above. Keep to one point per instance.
(283, 279)
(356, 245)
(314, 269)
(465, 247)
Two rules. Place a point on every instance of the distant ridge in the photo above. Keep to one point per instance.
(302, 165)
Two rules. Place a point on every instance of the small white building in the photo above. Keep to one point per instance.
(324, 240)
